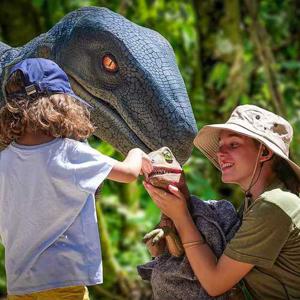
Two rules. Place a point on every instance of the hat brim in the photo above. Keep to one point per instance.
(207, 141)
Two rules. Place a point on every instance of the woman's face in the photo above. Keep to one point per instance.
(237, 157)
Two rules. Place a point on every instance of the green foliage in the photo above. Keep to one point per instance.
(218, 76)
(2, 271)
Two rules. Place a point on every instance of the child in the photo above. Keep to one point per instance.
(48, 178)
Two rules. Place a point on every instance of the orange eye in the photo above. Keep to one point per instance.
(109, 63)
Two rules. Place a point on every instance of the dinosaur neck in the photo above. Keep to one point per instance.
(41, 46)
(7, 54)
(3, 48)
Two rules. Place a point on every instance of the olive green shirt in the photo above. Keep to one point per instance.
(269, 238)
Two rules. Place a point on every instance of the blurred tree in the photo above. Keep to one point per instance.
(19, 21)
(261, 41)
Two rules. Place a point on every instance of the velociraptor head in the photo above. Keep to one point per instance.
(128, 74)
(143, 97)
(166, 170)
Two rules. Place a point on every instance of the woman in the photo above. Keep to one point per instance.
(251, 149)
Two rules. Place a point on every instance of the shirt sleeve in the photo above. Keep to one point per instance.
(263, 233)
(91, 167)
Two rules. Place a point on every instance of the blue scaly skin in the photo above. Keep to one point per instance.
(143, 103)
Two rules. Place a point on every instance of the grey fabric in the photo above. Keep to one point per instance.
(172, 277)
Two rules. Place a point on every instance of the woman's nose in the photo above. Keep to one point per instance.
(222, 150)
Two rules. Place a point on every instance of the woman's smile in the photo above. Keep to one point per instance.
(226, 166)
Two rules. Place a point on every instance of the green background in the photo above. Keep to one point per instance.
(229, 52)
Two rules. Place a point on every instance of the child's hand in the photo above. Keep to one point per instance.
(146, 164)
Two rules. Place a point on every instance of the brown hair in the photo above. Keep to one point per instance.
(58, 115)
(286, 174)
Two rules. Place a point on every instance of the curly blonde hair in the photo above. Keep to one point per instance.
(57, 115)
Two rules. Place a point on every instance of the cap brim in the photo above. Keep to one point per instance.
(81, 100)
(207, 141)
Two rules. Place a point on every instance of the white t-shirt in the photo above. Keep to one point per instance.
(48, 221)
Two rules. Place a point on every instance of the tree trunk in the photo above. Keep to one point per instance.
(261, 41)
(238, 75)
(199, 22)
(114, 276)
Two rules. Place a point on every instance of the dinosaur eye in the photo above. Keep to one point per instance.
(168, 156)
(109, 63)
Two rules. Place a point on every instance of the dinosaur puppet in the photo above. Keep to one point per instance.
(170, 273)
(166, 170)
(127, 73)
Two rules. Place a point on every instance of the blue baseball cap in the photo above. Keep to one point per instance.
(44, 76)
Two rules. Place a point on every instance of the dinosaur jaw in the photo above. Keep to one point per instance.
(162, 177)
(109, 115)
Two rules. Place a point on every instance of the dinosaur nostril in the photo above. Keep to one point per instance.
(109, 63)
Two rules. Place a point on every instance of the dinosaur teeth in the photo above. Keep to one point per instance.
(160, 172)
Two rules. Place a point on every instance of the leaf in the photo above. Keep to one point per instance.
(290, 65)
(218, 76)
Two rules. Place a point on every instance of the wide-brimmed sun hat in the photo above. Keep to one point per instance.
(264, 126)
(43, 76)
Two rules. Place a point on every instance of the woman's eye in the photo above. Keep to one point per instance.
(234, 145)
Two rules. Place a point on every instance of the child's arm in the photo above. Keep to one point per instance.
(129, 169)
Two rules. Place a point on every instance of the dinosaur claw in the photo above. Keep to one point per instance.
(156, 235)
(155, 242)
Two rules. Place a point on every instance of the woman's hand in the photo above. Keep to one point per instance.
(172, 203)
